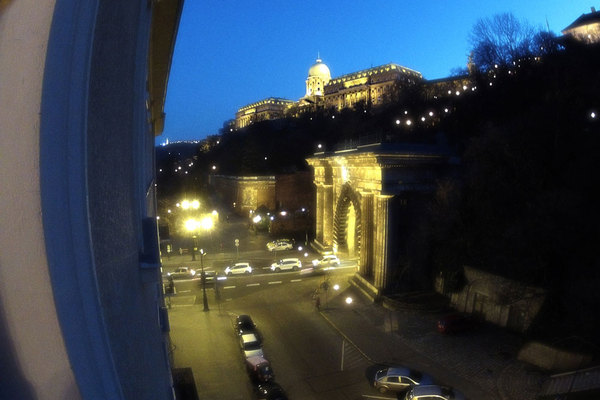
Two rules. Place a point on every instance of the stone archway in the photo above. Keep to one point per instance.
(348, 197)
(369, 197)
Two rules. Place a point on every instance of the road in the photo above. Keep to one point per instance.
(310, 359)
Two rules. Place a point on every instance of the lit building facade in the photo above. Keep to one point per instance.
(586, 28)
(374, 86)
(244, 193)
(271, 108)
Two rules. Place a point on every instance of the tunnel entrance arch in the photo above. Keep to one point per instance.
(347, 223)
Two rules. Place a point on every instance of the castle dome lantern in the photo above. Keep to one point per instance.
(318, 76)
(320, 70)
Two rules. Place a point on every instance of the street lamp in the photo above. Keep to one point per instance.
(191, 225)
(203, 280)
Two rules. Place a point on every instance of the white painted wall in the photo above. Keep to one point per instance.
(26, 301)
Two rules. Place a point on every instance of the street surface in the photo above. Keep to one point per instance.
(323, 354)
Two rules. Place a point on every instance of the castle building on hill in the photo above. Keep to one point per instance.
(271, 108)
(374, 86)
(380, 85)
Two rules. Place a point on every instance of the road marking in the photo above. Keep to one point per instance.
(253, 284)
(274, 282)
(296, 280)
(368, 396)
(184, 291)
(228, 287)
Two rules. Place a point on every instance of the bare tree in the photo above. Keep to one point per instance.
(500, 40)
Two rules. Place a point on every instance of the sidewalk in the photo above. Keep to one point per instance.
(481, 364)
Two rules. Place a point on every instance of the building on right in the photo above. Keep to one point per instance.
(586, 28)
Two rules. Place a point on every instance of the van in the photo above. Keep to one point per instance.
(259, 369)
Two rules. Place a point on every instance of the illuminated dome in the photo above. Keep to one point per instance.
(320, 70)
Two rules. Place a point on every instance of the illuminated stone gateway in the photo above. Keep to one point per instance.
(368, 200)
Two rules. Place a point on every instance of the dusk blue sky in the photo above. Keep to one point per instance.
(230, 53)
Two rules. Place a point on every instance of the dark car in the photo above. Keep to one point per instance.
(454, 323)
(244, 324)
(269, 391)
(209, 277)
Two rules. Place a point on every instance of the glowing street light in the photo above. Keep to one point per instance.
(191, 225)
(206, 223)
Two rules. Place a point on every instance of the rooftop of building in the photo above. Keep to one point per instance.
(270, 100)
(584, 19)
(376, 70)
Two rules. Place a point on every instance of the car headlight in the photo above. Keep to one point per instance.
(315, 262)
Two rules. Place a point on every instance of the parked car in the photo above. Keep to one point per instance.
(399, 379)
(330, 260)
(245, 324)
(433, 392)
(286, 264)
(280, 244)
(269, 391)
(259, 369)
(251, 345)
(239, 268)
(182, 273)
(454, 323)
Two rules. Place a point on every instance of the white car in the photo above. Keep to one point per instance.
(251, 345)
(286, 264)
(327, 261)
(238, 268)
(281, 244)
(433, 392)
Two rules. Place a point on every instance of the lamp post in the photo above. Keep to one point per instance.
(192, 226)
(203, 279)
